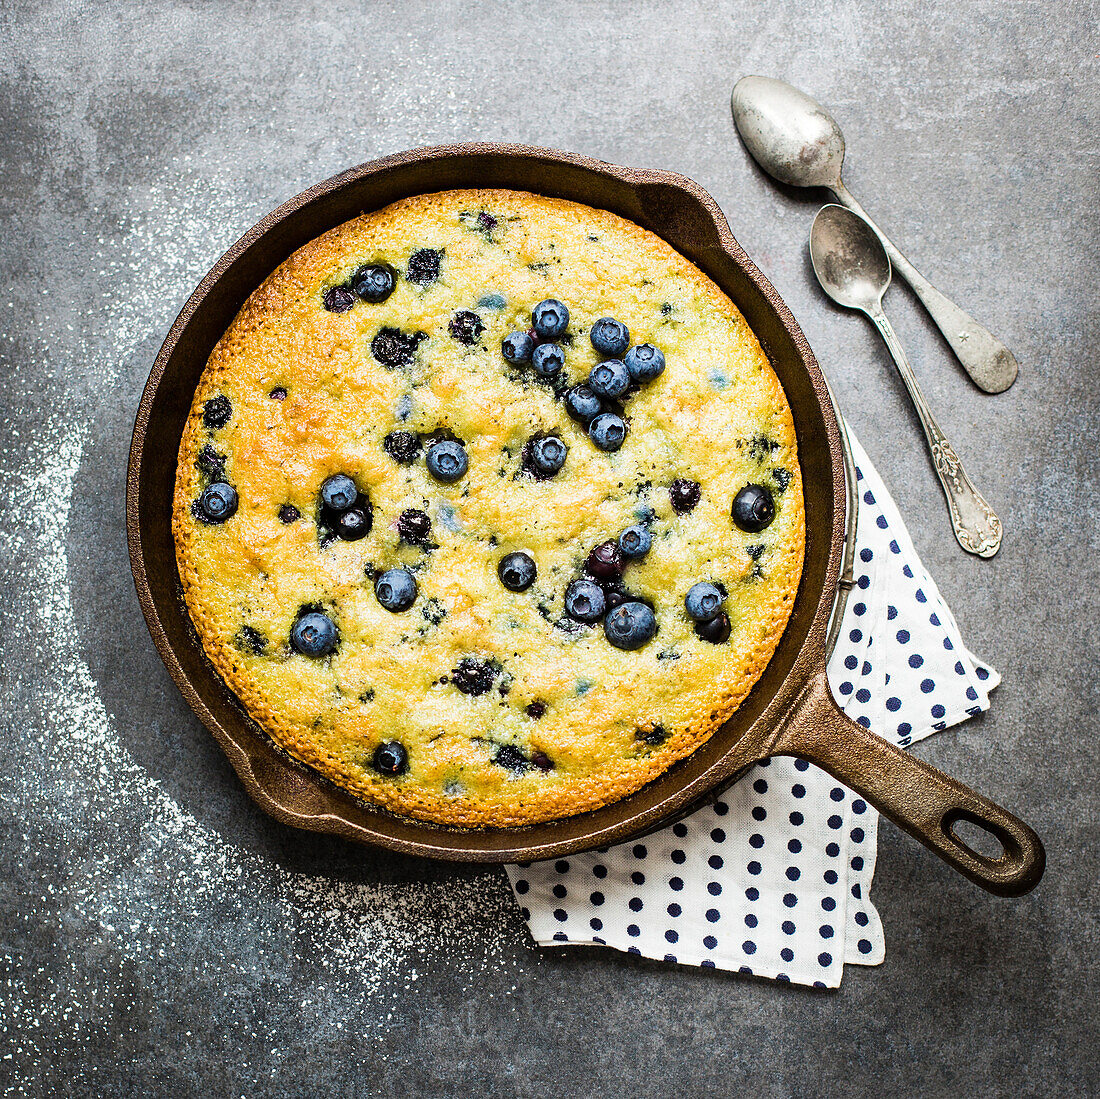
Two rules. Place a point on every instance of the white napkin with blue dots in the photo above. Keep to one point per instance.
(773, 879)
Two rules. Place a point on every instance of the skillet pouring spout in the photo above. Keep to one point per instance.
(919, 799)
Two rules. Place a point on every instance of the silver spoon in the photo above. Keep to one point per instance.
(795, 140)
(854, 270)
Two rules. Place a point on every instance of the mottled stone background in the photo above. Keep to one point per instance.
(160, 936)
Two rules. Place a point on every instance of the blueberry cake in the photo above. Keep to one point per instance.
(488, 508)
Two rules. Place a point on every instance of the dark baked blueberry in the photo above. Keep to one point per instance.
(338, 299)
(288, 514)
(313, 634)
(517, 571)
(781, 477)
(550, 318)
(217, 502)
(466, 327)
(609, 379)
(716, 631)
(755, 552)
(609, 336)
(447, 461)
(390, 758)
(393, 348)
(644, 362)
(542, 761)
(535, 709)
(635, 541)
(511, 758)
(753, 508)
(473, 676)
(582, 404)
(684, 494)
(211, 463)
(216, 412)
(547, 359)
(630, 625)
(517, 347)
(338, 492)
(653, 736)
(585, 601)
(401, 446)
(486, 222)
(424, 266)
(607, 431)
(395, 589)
(606, 561)
(249, 639)
(374, 282)
(278, 393)
(703, 601)
(545, 457)
(615, 596)
(414, 526)
(353, 524)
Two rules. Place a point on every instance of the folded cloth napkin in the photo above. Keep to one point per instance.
(773, 878)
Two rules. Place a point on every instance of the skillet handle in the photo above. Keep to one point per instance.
(919, 799)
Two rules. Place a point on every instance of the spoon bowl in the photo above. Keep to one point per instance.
(789, 134)
(849, 259)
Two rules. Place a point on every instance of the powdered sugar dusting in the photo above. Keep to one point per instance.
(129, 881)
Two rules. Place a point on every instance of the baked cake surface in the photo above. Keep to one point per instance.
(375, 630)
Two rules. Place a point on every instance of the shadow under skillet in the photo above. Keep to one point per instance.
(149, 716)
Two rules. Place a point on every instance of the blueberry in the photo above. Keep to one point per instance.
(413, 526)
(582, 404)
(395, 589)
(607, 431)
(535, 709)
(542, 761)
(684, 494)
(781, 477)
(391, 758)
(374, 282)
(609, 336)
(211, 463)
(393, 348)
(585, 601)
(401, 446)
(424, 266)
(630, 626)
(466, 327)
(486, 222)
(546, 456)
(353, 524)
(511, 758)
(753, 508)
(635, 541)
(550, 318)
(547, 359)
(338, 299)
(716, 631)
(606, 562)
(517, 347)
(653, 736)
(313, 634)
(644, 362)
(447, 460)
(218, 502)
(216, 412)
(288, 514)
(703, 601)
(251, 640)
(615, 596)
(517, 571)
(339, 492)
(609, 378)
(473, 676)
(278, 393)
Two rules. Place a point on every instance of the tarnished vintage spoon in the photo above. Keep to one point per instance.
(854, 270)
(795, 140)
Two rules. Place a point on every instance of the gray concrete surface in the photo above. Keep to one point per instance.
(160, 936)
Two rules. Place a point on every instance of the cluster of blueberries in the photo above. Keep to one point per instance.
(375, 282)
(593, 404)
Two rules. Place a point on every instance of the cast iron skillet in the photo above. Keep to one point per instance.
(790, 711)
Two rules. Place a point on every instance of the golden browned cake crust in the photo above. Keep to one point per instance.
(497, 707)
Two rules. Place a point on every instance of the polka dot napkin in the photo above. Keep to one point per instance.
(773, 878)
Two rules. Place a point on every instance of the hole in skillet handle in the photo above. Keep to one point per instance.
(979, 838)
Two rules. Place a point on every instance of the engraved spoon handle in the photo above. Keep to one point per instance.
(989, 363)
(976, 525)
